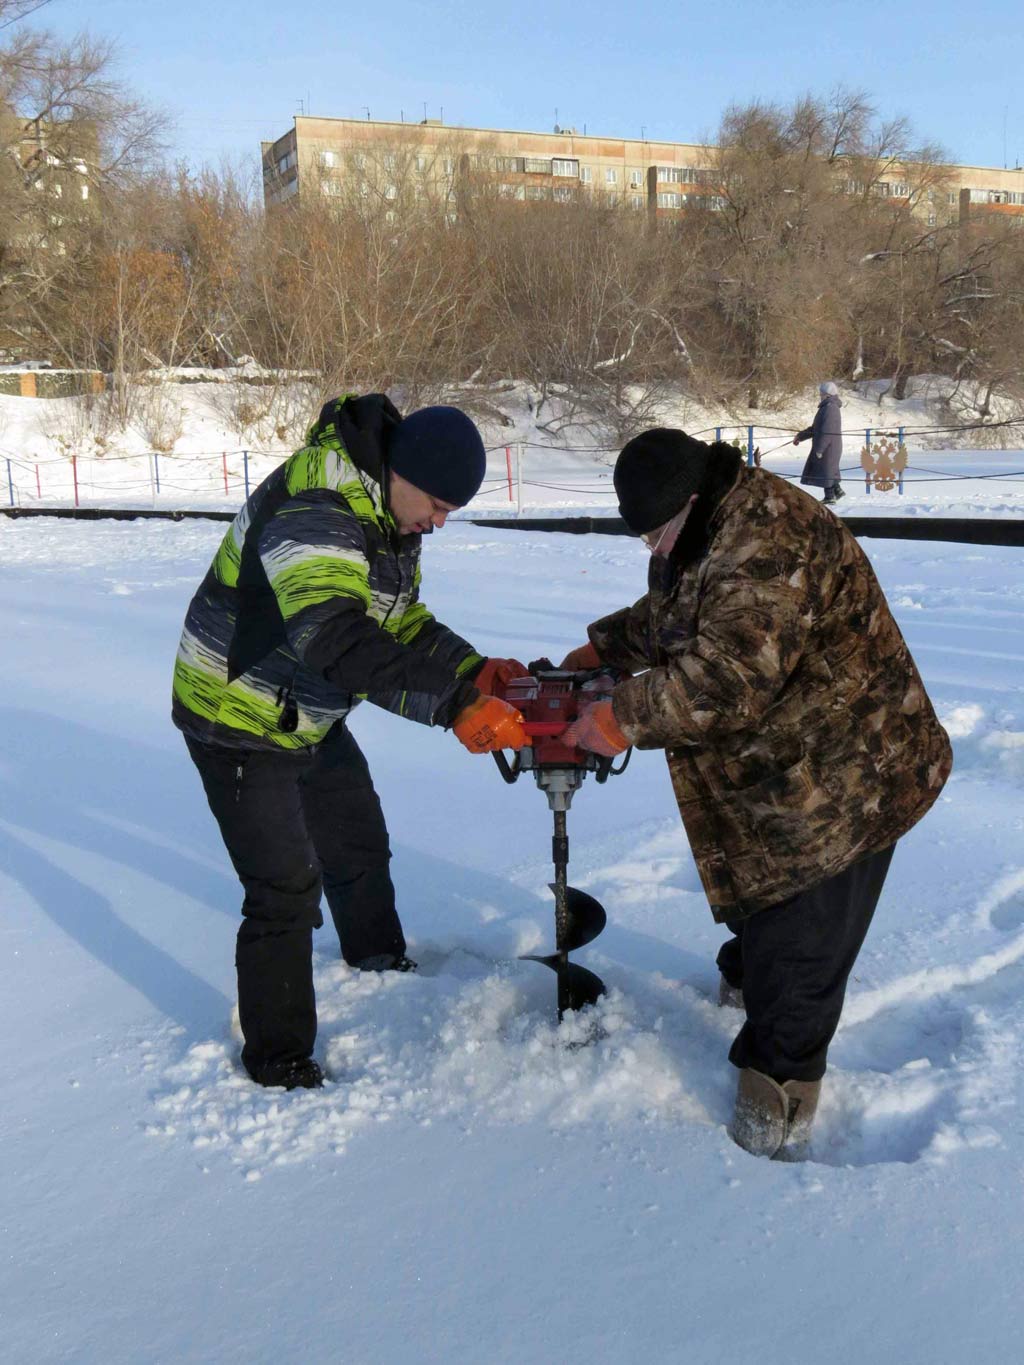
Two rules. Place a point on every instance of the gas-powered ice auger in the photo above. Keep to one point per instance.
(549, 700)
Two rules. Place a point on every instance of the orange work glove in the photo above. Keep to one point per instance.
(597, 730)
(586, 656)
(497, 672)
(487, 724)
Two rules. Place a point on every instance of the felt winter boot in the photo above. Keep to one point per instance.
(774, 1120)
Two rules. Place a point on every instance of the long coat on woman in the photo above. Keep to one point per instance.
(826, 433)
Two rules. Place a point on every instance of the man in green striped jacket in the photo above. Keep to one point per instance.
(311, 605)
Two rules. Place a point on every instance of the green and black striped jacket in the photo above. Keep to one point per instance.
(312, 603)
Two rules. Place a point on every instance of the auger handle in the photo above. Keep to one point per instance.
(509, 771)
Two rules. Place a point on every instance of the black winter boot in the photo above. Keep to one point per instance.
(386, 962)
(729, 995)
(300, 1073)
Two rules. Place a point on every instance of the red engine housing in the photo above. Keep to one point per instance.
(549, 700)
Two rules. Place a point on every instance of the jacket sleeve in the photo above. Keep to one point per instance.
(803, 435)
(314, 555)
(621, 638)
(752, 628)
(435, 642)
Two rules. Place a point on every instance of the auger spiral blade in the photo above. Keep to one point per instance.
(579, 918)
(585, 918)
(576, 986)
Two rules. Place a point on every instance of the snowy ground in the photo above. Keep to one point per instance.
(214, 460)
(468, 1187)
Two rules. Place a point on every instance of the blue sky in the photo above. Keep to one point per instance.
(232, 73)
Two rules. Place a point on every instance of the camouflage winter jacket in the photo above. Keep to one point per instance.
(312, 603)
(798, 733)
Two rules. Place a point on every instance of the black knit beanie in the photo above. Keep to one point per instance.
(440, 451)
(656, 474)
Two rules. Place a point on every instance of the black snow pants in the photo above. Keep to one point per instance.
(297, 824)
(792, 962)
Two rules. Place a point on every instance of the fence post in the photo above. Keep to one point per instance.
(901, 431)
(39, 488)
(245, 470)
(10, 482)
(74, 475)
(519, 479)
(867, 447)
(508, 470)
(156, 469)
(718, 433)
(224, 463)
(750, 445)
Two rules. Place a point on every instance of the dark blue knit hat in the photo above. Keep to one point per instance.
(440, 451)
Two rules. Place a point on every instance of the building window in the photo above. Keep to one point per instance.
(563, 194)
(85, 191)
(901, 191)
(636, 201)
(536, 165)
(391, 216)
(448, 165)
(285, 163)
(636, 178)
(389, 161)
(586, 175)
(565, 166)
(328, 160)
(611, 176)
(512, 191)
(538, 192)
(932, 220)
(509, 163)
(391, 192)
(58, 189)
(670, 201)
(331, 187)
(421, 163)
(360, 161)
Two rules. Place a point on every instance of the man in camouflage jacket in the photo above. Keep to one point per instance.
(310, 606)
(800, 742)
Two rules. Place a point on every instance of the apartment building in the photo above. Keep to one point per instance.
(333, 156)
(55, 162)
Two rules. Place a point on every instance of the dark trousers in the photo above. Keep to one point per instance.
(296, 825)
(792, 962)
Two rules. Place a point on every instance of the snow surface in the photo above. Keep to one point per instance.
(469, 1186)
(546, 471)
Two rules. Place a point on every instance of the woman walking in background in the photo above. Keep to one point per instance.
(826, 433)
